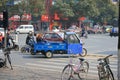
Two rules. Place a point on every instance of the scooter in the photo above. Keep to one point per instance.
(16, 47)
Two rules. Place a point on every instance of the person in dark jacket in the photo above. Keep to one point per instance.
(30, 39)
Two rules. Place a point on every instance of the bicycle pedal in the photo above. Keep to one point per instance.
(75, 73)
(82, 70)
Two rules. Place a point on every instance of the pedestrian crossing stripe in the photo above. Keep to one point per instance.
(57, 65)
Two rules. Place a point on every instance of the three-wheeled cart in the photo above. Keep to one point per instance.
(70, 45)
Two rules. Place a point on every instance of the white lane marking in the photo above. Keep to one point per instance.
(40, 68)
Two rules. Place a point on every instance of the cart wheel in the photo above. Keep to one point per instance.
(84, 53)
(49, 54)
(32, 52)
(16, 48)
(23, 50)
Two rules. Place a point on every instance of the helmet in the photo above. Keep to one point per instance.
(30, 33)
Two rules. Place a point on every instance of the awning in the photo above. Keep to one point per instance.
(14, 18)
(25, 17)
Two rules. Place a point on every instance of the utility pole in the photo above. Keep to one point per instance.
(5, 21)
(119, 43)
(5, 17)
(5, 24)
(48, 4)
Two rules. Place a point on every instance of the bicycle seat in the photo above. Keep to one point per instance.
(81, 59)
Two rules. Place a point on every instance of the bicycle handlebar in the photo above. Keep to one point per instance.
(105, 57)
(108, 56)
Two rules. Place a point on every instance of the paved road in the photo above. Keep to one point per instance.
(29, 67)
(101, 44)
(50, 69)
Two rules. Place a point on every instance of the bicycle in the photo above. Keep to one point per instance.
(7, 57)
(80, 69)
(104, 71)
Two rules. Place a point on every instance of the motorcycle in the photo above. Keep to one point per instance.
(28, 46)
(25, 48)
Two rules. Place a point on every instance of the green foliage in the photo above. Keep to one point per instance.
(108, 10)
(75, 9)
(97, 10)
(35, 7)
(63, 9)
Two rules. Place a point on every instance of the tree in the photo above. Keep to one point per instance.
(97, 10)
(108, 11)
(74, 9)
(34, 7)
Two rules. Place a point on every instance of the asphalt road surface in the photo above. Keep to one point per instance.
(37, 67)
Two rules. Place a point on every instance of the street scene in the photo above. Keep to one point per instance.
(37, 67)
(59, 40)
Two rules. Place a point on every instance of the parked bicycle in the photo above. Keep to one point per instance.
(7, 51)
(80, 69)
(104, 71)
(3, 61)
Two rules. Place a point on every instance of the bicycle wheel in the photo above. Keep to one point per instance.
(2, 63)
(84, 52)
(23, 50)
(101, 72)
(109, 73)
(16, 48)
(67, 73)
(83, 70)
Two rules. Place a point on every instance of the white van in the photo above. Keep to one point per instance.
(24, 29)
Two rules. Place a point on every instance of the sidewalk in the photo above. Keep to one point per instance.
(100, 55)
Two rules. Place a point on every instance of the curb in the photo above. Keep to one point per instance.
(100, 55)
